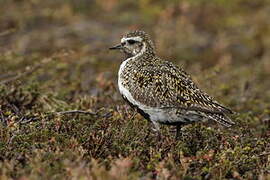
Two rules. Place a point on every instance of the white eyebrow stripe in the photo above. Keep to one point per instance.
(137, 38)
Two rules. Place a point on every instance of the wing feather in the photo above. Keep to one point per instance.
(170, 86)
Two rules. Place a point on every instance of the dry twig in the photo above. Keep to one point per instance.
(264, 154)
(77, 111)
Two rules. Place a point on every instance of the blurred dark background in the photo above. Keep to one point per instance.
(194, 31)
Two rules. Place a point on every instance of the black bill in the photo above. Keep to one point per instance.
(119, 46)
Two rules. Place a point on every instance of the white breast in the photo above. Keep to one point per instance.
(125, 92)
(155, 113)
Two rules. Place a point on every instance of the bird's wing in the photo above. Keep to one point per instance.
(168, 86)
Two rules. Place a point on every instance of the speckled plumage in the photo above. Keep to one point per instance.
(163, 92)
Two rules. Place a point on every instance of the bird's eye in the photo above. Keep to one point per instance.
(131, 41)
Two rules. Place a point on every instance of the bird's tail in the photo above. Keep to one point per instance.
(222, 119)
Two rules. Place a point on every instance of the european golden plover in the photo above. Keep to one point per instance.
(160, 91)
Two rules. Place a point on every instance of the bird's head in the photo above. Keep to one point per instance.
(135, 43)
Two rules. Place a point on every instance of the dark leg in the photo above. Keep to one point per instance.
(178, 132)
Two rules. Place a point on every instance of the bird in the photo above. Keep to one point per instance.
(160, 91)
